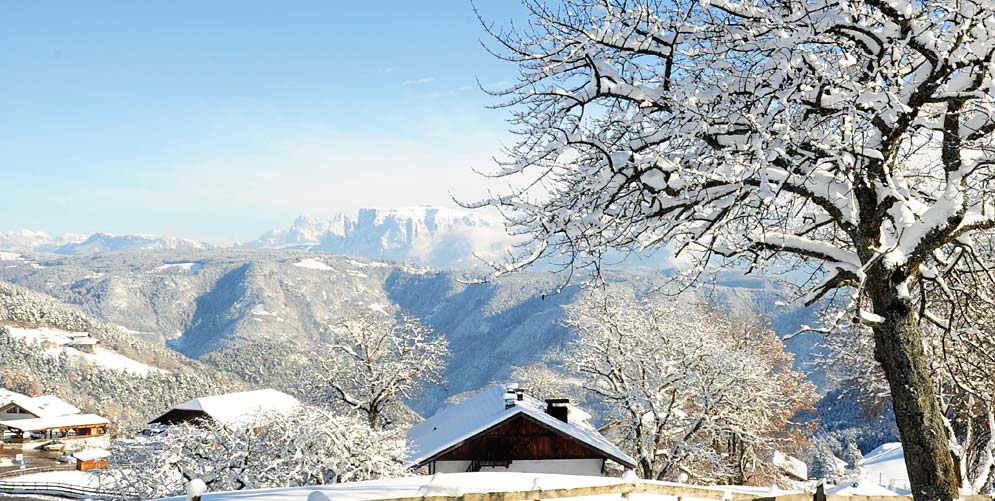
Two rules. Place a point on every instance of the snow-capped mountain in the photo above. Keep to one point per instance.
(106, 242)
(29, 240)
(431, 236)
(77, 243)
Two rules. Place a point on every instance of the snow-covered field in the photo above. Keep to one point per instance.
(885, 465)
(59, 339)
(70, 477)
(187, 267)
(313, 264)
(452, 484)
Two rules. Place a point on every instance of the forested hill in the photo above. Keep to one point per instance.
(256, 312)
(126, 379)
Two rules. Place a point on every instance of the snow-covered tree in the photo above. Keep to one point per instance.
(962, 369)
(852, 455)
(306, 446)
(824, 464)
(542, 382)
(375, 361)
(690, 392)
(851, 138)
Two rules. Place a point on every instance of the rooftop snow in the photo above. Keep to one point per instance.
(235, 407)
(39, 424)
(91, 454)
(485, 410)
(45, 406)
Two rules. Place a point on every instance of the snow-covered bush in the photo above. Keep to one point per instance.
(305, 446)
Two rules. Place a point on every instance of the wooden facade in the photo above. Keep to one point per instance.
(520, 438)
(92, 464)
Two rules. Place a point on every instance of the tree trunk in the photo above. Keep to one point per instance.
(898, 347)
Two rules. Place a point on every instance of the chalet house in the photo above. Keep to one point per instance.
(228, 409)
(48, 421)
(503, 429)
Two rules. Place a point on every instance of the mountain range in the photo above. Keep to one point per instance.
(426, 236)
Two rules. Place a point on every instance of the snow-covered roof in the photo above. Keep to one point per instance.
(45, 406)
(38, 424)
(235, 407)
(485, 410)
(91, 454)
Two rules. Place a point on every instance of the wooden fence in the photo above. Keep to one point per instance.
(57, 489)
(37, 469)
(681, 492)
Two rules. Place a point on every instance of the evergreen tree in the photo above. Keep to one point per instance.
(852, 455)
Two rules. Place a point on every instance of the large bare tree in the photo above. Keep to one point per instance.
(852, 138)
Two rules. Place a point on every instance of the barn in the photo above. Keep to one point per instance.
(228, 409)
(503, 429)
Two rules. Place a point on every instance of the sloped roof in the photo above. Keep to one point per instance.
(232, 408)
(44, 406)
(39, 424)
(485, 410)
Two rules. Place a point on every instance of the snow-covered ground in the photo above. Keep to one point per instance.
(885, 466)
(451, 484)
(68, 477)
(188, 267)
(313, 264)
(59, 339)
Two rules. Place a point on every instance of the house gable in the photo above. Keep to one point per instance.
(519, 438)
(14, 409)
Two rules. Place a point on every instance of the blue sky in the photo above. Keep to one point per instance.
(219, 120)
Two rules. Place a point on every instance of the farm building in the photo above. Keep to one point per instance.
(62, 432)
(48, 421)
(230, 408)
(503, 429)
(15, 406)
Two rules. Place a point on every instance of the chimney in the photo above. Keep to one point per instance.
(558, 408)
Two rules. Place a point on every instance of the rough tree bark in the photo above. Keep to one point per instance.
(898, 347)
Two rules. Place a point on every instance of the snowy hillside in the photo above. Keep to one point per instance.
(80, 345)
(256, 312)
(430, 236)
(52, 348)
(885, 466)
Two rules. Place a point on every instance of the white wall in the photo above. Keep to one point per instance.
(562, 466)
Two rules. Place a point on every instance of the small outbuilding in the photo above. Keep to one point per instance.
(91, 459)
(503, 429)
(229, 409)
